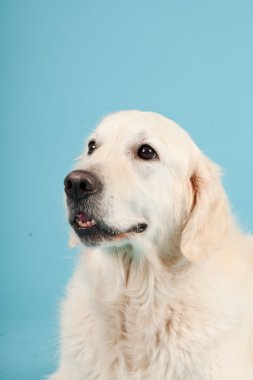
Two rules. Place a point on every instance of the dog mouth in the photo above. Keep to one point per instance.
(92, 231)
(82, 221)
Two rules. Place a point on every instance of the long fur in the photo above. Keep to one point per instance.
(175, 302)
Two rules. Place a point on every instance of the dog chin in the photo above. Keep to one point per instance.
(95, 236)
(94, 232)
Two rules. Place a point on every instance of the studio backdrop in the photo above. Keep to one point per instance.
(64, 65)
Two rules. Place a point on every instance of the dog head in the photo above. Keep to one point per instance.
(142, 179)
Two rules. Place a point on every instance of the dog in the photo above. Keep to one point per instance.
(164, 284)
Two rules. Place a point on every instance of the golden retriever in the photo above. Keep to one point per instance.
(164, 285)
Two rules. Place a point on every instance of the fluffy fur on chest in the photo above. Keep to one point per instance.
(128, 319)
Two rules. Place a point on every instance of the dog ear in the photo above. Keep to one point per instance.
(209, 218)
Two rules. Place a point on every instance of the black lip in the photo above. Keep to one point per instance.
(97, 233)
(141, 227)
(85, 231)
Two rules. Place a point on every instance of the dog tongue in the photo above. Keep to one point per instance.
(81, 217)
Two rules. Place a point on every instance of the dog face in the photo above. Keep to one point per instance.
(132, 183)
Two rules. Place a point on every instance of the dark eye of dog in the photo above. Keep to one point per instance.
(91, 146)
(146, 152)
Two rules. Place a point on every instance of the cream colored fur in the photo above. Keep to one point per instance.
(176, 301)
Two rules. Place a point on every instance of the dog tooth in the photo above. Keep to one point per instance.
(87, 224)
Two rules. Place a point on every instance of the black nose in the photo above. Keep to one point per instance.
(80, 183)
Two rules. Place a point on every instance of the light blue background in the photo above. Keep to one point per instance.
(64, 64)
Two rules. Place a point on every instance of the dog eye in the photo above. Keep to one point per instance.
(91, 146)
(146, 152)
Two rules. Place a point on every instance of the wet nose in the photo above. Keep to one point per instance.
(81, 183)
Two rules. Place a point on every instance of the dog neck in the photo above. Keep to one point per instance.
(113, 274)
